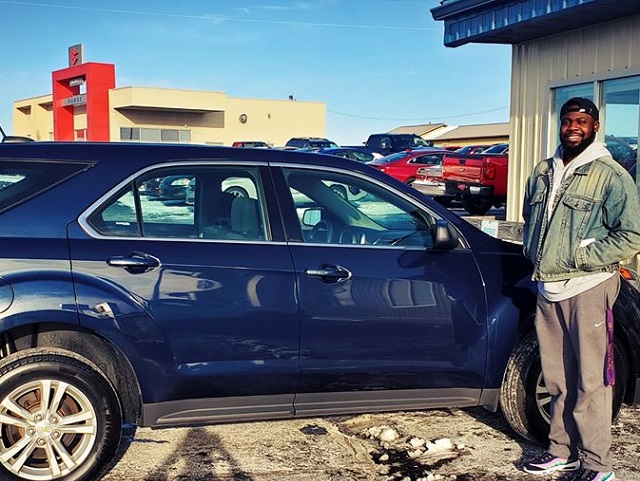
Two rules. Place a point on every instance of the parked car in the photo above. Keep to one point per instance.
(151, 187)
(501, 148)
(310, 143)
(472, 149)
(404, 165)
(331, 289)
(236, 186)
(386, 144)
(479, 181)
(354, 153)
(621, 151)
(253, 144)
(173, 187)
(429, 181)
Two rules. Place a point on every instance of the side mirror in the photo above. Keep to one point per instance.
(445, 237)
(311, 216)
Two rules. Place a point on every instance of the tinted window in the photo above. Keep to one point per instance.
(496, 149)
(434, 159)
(391, 158)
(20, 180)
(362, 156)
(335, 208)
(416, 141)
(196, 202)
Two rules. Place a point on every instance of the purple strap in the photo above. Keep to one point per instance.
(610, 368)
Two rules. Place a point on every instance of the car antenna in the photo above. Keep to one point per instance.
(13, 138)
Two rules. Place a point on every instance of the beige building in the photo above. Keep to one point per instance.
(477, 134)
(188, 116)
(423, 130)
(588, 49)
(443, 135)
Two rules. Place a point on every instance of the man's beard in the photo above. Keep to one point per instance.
(573, 152)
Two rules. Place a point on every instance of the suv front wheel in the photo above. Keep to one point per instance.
(524, 399)
(59, 418)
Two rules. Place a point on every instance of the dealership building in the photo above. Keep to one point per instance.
(561, 49)
(85, 104)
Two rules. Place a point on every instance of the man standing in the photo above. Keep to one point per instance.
(581, 218)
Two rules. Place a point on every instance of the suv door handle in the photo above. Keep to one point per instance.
(135, 263)
(330, 273)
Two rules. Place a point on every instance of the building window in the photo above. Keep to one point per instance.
(561, 95)
(128, 133)
(169, 135)
(150, 135)
(137, 134)
(619, 115)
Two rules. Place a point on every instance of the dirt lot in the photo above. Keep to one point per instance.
(461, 445)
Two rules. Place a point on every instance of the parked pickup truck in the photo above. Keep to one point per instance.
(478, 180)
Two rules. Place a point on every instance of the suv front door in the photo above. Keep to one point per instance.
(380, 310)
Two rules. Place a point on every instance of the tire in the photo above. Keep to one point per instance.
(237, 191)
(71, 434)
(476, 205)
(524, 400)
(444, 201)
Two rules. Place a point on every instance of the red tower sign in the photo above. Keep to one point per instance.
(97, 79)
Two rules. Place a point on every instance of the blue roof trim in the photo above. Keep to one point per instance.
(516, 21)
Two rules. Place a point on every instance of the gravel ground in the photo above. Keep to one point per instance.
(460, 445)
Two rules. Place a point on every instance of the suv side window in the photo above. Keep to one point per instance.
(22, 179)
(335, 208)
(223, 203)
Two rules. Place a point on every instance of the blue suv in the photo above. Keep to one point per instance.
(327, 287)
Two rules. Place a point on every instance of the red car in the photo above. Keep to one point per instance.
(404, 165)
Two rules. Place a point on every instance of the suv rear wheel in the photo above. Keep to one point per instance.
(59, 418)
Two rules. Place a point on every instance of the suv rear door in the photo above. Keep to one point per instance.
(204, 303)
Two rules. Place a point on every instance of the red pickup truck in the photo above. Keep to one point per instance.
(478, 180)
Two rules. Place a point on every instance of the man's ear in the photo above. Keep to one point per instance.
(596, 126)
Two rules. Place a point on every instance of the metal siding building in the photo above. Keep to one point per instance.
(561, 48)
(590, 55)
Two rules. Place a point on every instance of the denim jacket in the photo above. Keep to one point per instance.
(599, 201)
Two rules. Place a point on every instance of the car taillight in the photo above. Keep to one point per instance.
(490, 172)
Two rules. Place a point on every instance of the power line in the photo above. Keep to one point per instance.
(215, 17)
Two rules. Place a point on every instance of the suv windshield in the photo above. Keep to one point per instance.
(322, 144)
(419, 142)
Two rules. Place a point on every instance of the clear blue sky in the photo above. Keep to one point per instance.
(377, 64)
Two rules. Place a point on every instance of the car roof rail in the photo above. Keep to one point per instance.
(13, 138)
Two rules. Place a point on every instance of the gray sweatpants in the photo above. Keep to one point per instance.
(573, 345)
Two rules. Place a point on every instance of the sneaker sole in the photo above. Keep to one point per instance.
(573, 466)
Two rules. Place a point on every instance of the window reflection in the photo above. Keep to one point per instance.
(561, 95)
(619, 118)
(619, 115)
